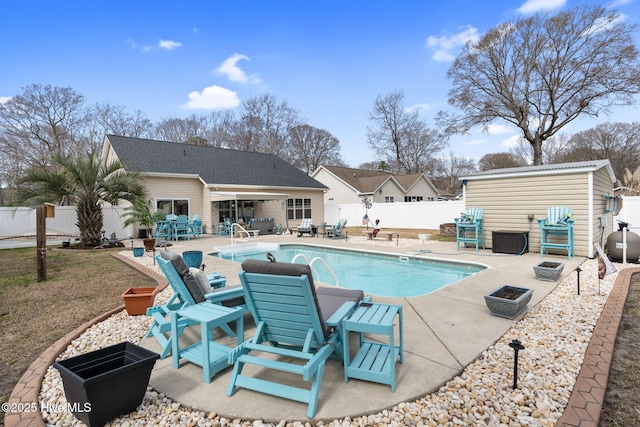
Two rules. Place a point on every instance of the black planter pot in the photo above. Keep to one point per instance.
(106, 383)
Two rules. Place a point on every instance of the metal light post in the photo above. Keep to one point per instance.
(516, 346)
(578, 270)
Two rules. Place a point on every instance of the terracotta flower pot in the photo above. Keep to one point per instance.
(137, 300)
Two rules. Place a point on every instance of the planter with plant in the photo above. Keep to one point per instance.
(508, 301)
(139, 213)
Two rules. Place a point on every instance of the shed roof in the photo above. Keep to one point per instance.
(219, 166)
(550, 169)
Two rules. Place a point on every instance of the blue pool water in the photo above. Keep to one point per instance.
(377, 274)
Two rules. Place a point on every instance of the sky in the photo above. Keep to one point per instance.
(327, 59)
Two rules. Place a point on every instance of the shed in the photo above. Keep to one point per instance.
(514, 198)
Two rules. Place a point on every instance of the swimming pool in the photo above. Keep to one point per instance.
(375, 273)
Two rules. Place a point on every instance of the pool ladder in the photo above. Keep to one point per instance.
(240, 229)
(313, 270)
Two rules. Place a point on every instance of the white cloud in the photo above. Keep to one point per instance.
(234, 73)
(533, 6)
(418, 107)
(168, 44)
(4, 99)
(444, 47)
(512, 141)
(494, 129)
(212, 98)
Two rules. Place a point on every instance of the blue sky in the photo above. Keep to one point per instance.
(328, 59)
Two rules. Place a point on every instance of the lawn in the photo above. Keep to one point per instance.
(80, 285)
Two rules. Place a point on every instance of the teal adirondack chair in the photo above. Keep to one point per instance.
(469, 228)
(186, 292)
(290, 325)
(556, 231)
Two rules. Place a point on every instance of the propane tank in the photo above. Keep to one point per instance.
(615, 244)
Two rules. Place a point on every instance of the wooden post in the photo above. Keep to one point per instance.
(41, 242)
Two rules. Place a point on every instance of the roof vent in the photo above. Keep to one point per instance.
(185, 152)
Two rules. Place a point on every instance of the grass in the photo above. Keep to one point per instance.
(80, 285)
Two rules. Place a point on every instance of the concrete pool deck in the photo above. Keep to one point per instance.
(444, 331)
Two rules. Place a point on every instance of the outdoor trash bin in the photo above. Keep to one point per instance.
(103, 384)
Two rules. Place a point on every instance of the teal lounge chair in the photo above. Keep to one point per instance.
(336, 231)
(186, 292)
(292, 335)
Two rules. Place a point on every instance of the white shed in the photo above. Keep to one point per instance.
(514, 198)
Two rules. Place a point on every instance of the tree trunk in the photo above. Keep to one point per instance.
(90, 222)
(537, 151)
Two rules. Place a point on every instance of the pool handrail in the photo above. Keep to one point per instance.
(238, 226)
(317, 259)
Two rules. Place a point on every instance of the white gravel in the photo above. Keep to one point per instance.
(555, 332)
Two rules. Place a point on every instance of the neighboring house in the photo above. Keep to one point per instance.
(347, 185)
(515, 198)
(218, 183)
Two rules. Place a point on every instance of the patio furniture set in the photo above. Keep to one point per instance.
(175, 227)
(298, 328)
(556, 231)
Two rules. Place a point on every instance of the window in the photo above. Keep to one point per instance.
(173, 206)
(412, 198)
(298, 208)
(388, 199)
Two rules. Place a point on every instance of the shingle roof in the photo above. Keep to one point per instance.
(214, 165)
(368, 181)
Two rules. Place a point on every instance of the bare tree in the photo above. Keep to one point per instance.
(114, 119)
(542, 72)
(263, 126)
(553, 150)
(618, 142)
(448, 170)
(499, 161)
(189, 130)
(375, 166)
(312, 147)
(400, 137)
(42, 122)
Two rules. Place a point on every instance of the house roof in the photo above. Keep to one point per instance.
(219, 166)
(551, 169)
(368, 181)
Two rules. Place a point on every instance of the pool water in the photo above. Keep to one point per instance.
(374, 273)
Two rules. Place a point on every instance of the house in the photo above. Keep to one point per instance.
(218, 183)
(347, 185)
(514, 198)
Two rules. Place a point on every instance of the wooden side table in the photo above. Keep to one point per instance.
(212, 356)
(374, 361)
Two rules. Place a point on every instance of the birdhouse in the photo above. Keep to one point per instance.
(50, 210)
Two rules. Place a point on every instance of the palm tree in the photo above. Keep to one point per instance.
(85, 182)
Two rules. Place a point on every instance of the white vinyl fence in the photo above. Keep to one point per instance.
(419, 215)
(429, 215)
(18, 222)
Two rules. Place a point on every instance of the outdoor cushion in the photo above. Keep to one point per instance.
(202, 279)
(331, 299)
(183, 270)
(178, 262)
(285, 269)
